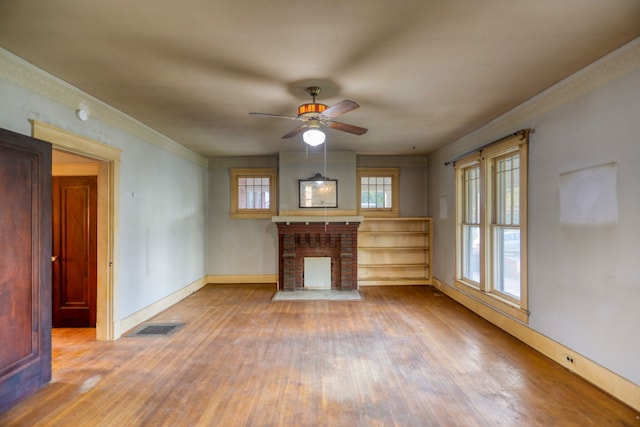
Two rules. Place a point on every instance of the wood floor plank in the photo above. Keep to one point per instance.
(404, 356)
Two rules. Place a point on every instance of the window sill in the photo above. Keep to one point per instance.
(494, 301)
(379, 213)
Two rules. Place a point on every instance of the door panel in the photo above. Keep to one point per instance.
(25, 266)
(75, 251)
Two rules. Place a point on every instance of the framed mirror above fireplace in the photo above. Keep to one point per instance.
(318, 192)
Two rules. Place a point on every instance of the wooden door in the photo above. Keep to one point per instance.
(75, 203)
(25, 266)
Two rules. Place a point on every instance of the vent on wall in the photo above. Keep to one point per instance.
(156, 329)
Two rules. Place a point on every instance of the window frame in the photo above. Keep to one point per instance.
(235, 174)
(486, 290)
(394, 174)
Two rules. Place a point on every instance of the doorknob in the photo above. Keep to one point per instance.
(54, 258)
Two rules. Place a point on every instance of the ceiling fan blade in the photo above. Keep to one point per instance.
(339, 109)
(296, 131)
(357, 130)
(280, 116)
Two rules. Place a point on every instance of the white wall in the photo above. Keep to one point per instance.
(162, 195)
(237, 246)
(584, 285)
(162, 225)
(340, 165)
(250, 246)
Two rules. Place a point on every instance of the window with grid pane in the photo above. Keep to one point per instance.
(506, 225)
(253, 193)
(491, 200)
(470, 250)
(378, 191)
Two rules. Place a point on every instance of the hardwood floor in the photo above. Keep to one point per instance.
(405, 356)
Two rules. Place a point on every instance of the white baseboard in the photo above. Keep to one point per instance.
(148, 312)
(612, 383)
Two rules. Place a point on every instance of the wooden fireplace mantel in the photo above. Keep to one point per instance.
(317, 219)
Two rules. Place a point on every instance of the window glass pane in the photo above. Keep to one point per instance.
(387, 196)
(242, 196)
(471, 253)
(472, 195)
(364, 197)
(507, 190)
(376, 192)
(253, 193)
(506, 265)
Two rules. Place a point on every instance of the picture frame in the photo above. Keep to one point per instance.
(317, 192)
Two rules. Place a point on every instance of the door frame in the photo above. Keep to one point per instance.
(107, 319)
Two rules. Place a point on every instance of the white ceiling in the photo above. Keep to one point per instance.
(425, 72)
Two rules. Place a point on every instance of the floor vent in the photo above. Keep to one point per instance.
(156, 329)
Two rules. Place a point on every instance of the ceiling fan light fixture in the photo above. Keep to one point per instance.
(312, 109)
(313, 137)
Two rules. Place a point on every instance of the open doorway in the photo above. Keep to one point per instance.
(82, 156)
(74, 281)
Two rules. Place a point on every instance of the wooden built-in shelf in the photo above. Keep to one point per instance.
(394, 251)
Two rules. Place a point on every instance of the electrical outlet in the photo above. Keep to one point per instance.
(569, 359)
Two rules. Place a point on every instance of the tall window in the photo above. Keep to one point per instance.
(506, 225)
(378, 190)
(470, 249)
(253, 193)
(491, 218)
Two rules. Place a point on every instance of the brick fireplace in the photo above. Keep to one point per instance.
(334, 237)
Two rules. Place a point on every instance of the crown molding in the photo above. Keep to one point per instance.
(20, 72)
(615, 65)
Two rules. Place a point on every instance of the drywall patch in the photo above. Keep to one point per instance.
(589, 196)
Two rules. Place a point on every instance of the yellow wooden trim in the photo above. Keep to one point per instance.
(107, 323)
(524, 221)
(74, 143)
(401, 218)
(363, 283)
(75, 169)
(242, 279)
(394, 173)
(494, 301)
(236, 173)
(319, 212)
(612, 383)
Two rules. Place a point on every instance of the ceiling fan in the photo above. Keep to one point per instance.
(315, 115)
